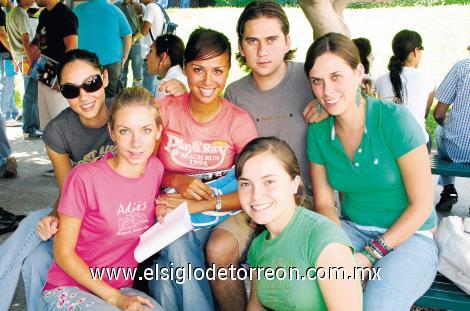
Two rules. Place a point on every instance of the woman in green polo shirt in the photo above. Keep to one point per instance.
(271, 193)
(374, 153)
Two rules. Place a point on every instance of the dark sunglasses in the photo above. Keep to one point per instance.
(91, 84)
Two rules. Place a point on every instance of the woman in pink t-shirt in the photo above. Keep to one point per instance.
(103, 209)
(202, 134)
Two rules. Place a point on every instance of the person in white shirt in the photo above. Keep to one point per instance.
(405, 84)
(152, 27)
(165, 59)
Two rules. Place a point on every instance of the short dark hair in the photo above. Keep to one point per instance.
(258, 9)
(173, 46)
(364, 48)
(78, 54)
(205, 44)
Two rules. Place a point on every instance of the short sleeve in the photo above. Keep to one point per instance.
(313, 149)
(447, 91)
(149, 14)
(73, 200)
(124, 27)
(243, 131)
(254, 249)
(69, 24)
(402, 132)
(53, 137)
(322, 234)
(22, 23)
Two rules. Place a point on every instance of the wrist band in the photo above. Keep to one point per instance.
(218, 204)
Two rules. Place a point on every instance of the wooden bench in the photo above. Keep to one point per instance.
(444, 294)
(440, 166)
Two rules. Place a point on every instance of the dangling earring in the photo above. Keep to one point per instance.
(358, 97)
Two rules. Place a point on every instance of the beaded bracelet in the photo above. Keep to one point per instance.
(376, 249)
(369, 256)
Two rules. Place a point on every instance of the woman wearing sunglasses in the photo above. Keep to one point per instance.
(77, 135)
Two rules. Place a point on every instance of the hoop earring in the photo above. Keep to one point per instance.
(358, 97)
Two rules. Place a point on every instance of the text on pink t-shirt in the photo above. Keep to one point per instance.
(188, 146)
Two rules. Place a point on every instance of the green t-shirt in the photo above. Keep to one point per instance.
(373, 190)
(298, 246)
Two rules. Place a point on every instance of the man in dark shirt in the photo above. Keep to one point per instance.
(56, 34)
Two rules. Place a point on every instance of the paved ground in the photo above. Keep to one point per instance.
(32, 191)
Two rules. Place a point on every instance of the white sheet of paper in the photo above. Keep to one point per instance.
(177, 223)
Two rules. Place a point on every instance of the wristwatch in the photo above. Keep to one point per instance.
(218, 204)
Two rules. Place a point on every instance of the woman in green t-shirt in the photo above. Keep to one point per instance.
(374, 153)
(299, 246)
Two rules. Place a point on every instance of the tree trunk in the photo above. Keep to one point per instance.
(327, 15)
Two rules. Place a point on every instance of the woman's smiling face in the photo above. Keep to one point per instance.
(207, 78)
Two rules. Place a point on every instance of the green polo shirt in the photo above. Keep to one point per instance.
(373, 190)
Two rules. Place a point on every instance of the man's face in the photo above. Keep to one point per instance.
(264, 45)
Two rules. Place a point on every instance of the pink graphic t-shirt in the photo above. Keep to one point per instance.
(191, 147)
(114, 211)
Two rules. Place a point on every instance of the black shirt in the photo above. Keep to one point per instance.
(3, 49)
(53, 27)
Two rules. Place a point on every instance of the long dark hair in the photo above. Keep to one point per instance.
(403, 43)
(173, 46)
(364, 48)
(78, 54)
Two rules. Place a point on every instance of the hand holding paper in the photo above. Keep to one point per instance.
(177, 223)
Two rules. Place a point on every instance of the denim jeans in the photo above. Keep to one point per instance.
(135, 58)
(5, 149)
(405, 273)
(30, 105)
(150, 82)
(73, 298)
(24, 243)
(442, 152)
(7, 88)
(114, 78)
(187, 294)
(185, 3)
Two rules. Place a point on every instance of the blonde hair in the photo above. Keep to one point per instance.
(134, 96)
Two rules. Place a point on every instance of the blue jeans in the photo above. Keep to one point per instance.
(135, 57)
(65, 297)
(185, 3)
(25, 252)
(149, 82)
(442, 152)
(5, 149)
(405, 273)
(183, 294)
(7, 88)
(30, 105)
